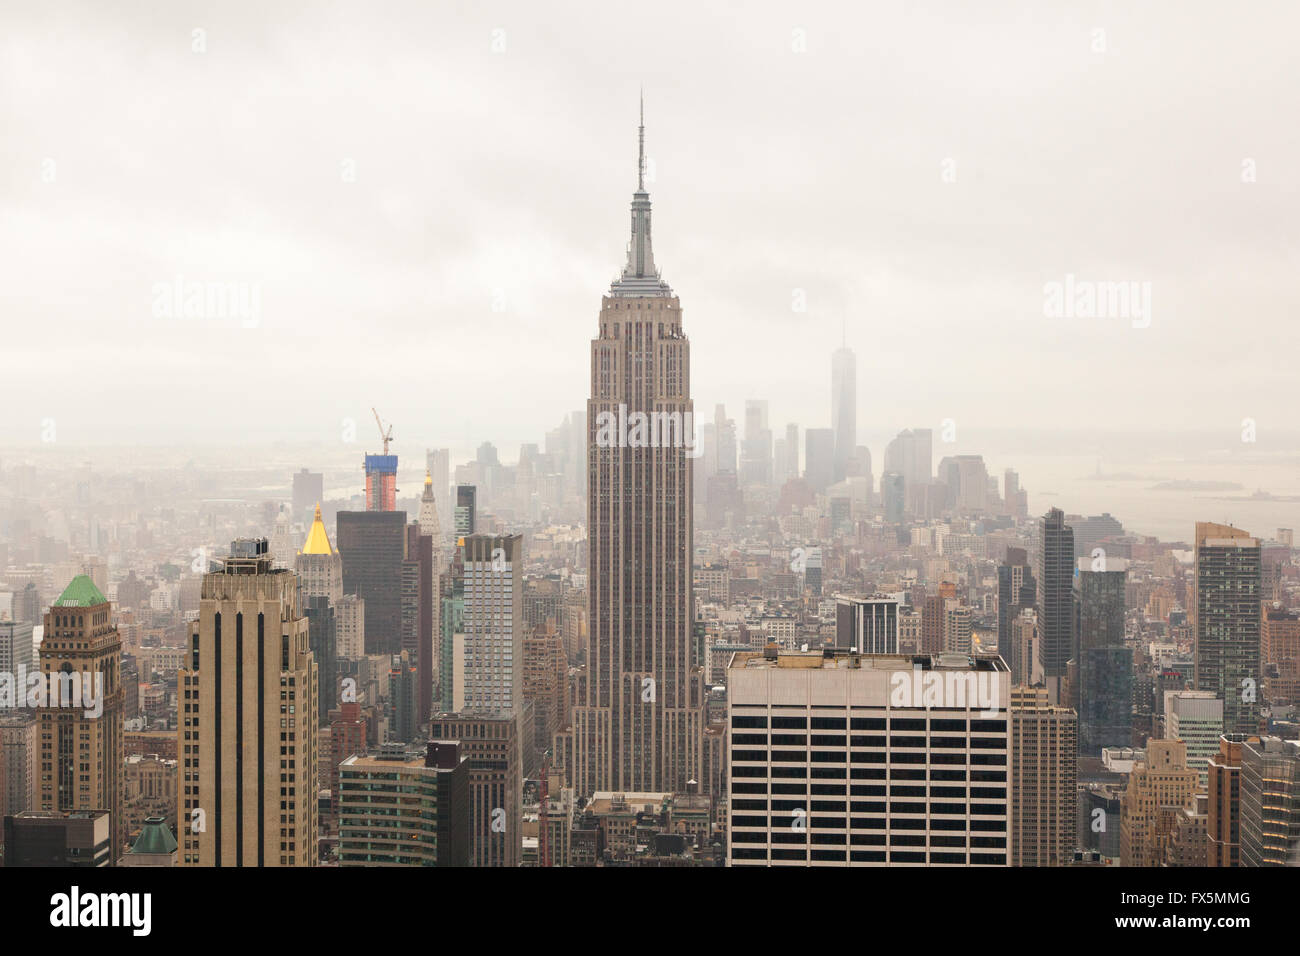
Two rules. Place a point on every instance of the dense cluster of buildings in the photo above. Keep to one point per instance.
(641, 644)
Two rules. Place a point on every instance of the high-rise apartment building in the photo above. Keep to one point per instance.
(1024, 645)
(418, 625)
(247, 740)
(492, 622)
(933, 625)
(18, 755)
(846, 759)
(1226, 622)
(1054, 577)
(1044, 778)
(350, 618)
(81, 756)
(958, 627)
(1016, 591)
(639, 723)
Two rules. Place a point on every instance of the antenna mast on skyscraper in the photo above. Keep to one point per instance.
(640, 159)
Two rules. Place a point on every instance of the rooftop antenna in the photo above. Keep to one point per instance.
(640, 160)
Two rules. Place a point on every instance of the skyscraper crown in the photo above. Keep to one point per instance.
(640, 277)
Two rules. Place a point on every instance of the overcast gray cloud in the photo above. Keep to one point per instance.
(432, 197)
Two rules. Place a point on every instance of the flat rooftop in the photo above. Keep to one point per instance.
(838, 659)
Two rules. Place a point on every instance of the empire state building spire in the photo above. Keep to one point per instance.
(637, 724)
(640, 277)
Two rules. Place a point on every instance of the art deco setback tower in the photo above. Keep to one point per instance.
(248, 729)
(80, 724)
(639, 723)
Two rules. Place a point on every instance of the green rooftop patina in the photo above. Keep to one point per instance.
(81, 592)
(155, 837)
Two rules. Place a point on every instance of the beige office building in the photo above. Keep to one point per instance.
(81, 747)
(639, 720)
(1159, 786)
(247, 738)
(1044, 779)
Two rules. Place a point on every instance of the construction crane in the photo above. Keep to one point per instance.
(386, 437)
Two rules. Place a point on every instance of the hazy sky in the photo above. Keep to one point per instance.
(431, 197)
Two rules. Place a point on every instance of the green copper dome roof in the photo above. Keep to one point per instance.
(81, 592)
(155, 837)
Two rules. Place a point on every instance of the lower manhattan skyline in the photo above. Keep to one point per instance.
(909, 481)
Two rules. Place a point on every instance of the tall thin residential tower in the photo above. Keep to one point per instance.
(1054, 575)
(638, 725)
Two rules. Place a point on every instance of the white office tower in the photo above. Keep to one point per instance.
(845, 759)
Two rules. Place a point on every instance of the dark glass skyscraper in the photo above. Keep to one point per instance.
(373, 546)
(1103, 691)
(1054, 577)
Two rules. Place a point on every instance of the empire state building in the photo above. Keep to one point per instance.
(638, 720)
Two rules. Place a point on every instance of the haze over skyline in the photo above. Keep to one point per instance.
(465, 206)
